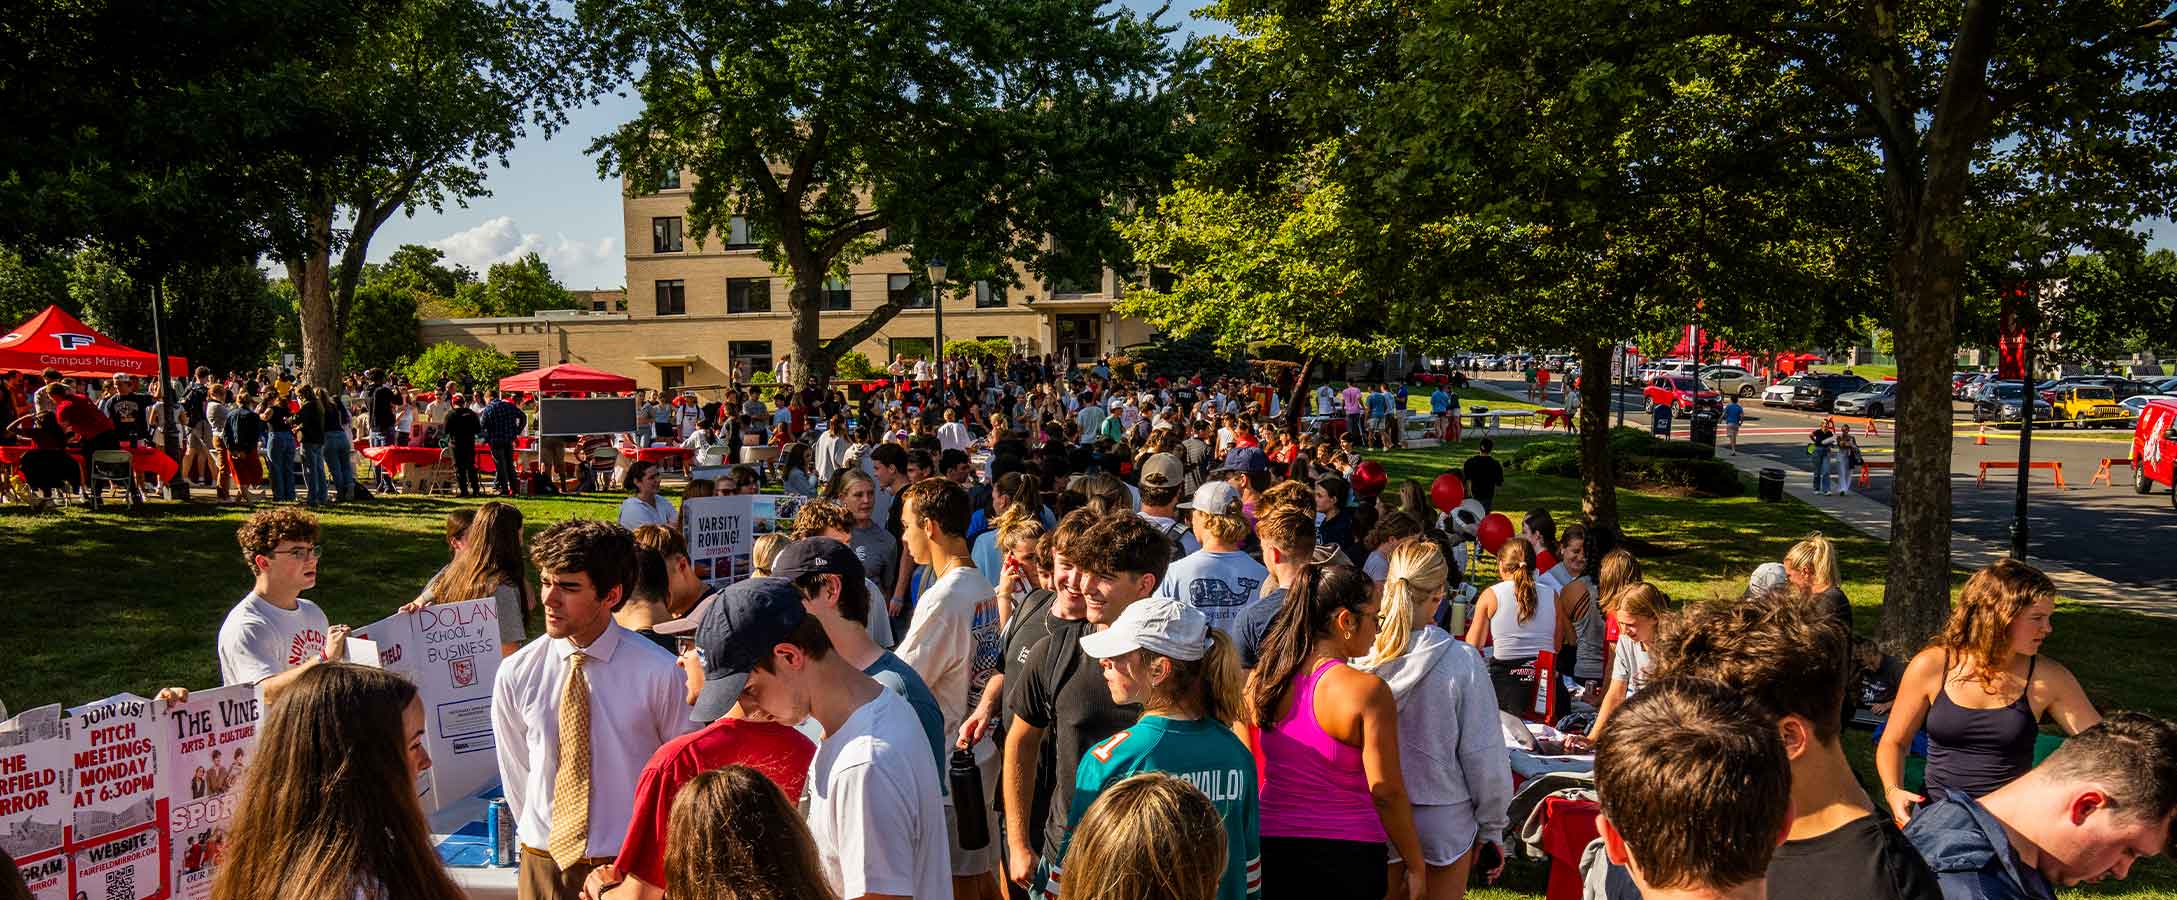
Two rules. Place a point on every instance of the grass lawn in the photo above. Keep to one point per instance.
(1871, 372)
(143, 594)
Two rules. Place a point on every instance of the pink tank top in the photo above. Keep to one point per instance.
(1313, 784)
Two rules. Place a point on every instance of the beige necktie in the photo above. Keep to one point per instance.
(571, 785)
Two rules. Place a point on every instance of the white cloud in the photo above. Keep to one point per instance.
(576, 263)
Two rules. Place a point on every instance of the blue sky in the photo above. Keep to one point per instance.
(549, 199)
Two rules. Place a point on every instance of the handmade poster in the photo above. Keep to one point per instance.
(210, 738)
(34, 801)
(451, 652)
(116, 836)
(719, 537)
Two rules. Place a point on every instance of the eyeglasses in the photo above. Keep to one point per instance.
(300, 554)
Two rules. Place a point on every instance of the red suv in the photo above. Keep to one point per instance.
(1683, 393)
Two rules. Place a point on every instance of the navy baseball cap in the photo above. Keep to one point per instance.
(1245, 459)
(747, 619)
(817, 556)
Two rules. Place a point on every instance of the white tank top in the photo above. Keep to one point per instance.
(1512, 639)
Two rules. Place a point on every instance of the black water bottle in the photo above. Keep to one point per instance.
(967, 800)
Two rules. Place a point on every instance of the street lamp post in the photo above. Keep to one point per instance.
(936, 269)
(2029, 395)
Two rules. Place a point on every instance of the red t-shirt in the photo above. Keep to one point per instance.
(779, 752)
(81, 417)
(1544, 561)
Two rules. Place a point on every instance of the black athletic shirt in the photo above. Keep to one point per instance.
(1868, 857)
(1066, 696)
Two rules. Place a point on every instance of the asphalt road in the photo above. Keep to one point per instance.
(2106, 530)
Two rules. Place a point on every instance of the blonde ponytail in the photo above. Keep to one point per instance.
(1513, 555)
(1417, 575)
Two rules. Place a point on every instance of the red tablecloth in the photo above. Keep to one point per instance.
(394, 459)
(143, 459)
(658, 454)
(1568, 826)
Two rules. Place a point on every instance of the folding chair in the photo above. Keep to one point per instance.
(114, 467)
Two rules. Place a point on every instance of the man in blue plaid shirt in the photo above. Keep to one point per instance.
(503, 422)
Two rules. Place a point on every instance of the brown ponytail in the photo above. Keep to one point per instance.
(1513, 563)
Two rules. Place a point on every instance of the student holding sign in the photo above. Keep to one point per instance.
(273, 629)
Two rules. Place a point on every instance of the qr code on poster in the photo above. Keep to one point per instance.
(121, 883)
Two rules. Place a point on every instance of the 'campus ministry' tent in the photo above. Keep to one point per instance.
(53, 339)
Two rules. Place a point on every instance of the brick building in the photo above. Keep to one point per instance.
(695, 316)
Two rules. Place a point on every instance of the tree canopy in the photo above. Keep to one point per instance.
(995, 134)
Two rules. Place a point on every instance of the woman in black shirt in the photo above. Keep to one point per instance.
(310, 423)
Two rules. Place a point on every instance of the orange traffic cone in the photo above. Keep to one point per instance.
(1981, 439)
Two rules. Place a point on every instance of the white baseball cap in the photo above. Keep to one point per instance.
(1218, 498)
(1161, 625)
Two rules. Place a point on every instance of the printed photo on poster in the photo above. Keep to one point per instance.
(211, 738)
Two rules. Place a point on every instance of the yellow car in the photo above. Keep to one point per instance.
(2089, 406)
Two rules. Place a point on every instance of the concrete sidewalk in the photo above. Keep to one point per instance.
(1872, 518)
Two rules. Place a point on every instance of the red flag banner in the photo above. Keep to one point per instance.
(2011, 336)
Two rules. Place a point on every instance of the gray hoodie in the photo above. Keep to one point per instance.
(1450, 746)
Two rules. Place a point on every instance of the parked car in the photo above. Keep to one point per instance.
(1731, 381)
(1820, 391)
(2137, 403)
(2000, 402)
(2089, 406)
(2154, 447)
(1879, 399)
(2165, 386)
(1682, 393)
(1674, 368)
(1958, 381)
(1970, 387)
(1780, 393)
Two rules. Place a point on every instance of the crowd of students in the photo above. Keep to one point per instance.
(1188, 669)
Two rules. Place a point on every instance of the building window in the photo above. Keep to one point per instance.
(670, 378)
(671, 181)
(910, 348)
(989, 295)
(901, 289)
(748, 295)
(837, 294)
(737, 234)
(665, 234)
(672, 298)
(529, 360)
(1073, 272)
(748, 357)
(600, 303)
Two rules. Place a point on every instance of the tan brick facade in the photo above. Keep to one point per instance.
(695, 345)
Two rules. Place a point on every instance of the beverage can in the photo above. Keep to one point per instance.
(499, 828)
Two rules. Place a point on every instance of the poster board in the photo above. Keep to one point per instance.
(117, 847)
(572, 416)
(210, 738)
(719, 537)
(451, 652)
(34, 799)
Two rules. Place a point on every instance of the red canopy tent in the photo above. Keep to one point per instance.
(566, 377)
(53, 339)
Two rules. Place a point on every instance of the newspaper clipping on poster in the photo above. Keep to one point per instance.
(116, 846)
(34, 800)
(719, 539)
(210, 738)
(451, 652)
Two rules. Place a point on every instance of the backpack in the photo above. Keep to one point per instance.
(1175, 533)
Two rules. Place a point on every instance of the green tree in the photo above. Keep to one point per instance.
(29, 284)
(414, 110)
(991, 133)
(420, 269)
(383, 331)
(2069, 97)
(444, 362)
(517, 288)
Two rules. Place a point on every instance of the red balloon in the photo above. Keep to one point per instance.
(1447, 492)
(1494, 531)
(1369, 478)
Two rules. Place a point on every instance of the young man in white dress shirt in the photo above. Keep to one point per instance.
(569, 770)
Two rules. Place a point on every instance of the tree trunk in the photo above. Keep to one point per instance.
(1300, 390)
(812, 363)
(321, 333)
(1598, 473)
(1924, 276)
